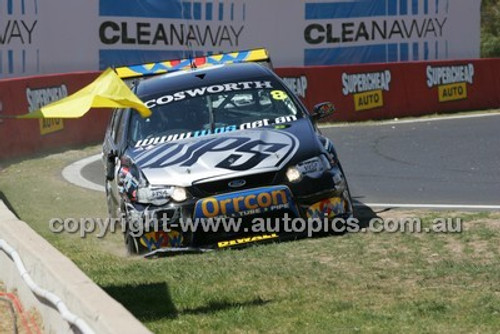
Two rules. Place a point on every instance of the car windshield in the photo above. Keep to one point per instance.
(212, 109)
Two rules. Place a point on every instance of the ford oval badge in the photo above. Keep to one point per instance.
(237, 183)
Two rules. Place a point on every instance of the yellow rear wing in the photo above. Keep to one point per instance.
(143, 70)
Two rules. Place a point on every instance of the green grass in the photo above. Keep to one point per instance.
(366, 282)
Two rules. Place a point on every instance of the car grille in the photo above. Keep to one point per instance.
(221, 186)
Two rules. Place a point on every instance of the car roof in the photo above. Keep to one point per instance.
(177, 81)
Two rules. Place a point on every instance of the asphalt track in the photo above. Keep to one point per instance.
(450, 161)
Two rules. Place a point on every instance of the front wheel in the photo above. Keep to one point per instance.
(133, 245)
(113, 208)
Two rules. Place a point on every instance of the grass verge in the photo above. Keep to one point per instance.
(368, 282)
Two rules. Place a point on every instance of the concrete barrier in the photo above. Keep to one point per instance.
(56, 273)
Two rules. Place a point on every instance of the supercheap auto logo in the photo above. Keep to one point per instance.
(367, 88)
(239, 204)
(298, 85)
(40, 97)
(451, 81)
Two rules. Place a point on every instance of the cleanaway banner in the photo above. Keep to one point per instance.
(53, 36)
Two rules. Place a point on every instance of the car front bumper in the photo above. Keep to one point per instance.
(178, 225)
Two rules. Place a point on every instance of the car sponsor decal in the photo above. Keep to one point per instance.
(201, 133)
(207, 90)
(238, 151)
(451, 81)
(241, 241)
(313, 167)
(245, 203)
(159, 239)
(255, 55)
(128, 182)
(329, 208)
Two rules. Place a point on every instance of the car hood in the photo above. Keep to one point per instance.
(226, 155)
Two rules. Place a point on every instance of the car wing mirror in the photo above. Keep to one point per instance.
(322, 110)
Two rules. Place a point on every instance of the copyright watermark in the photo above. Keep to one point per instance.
(138, 226)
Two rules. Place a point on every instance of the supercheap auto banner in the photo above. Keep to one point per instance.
(396, 90)
(54, 36)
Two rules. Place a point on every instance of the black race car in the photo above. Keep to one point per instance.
(226, 142)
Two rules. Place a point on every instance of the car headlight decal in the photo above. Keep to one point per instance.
(314, 167)
(154, 195)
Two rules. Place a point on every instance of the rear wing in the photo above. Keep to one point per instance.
(167, 66)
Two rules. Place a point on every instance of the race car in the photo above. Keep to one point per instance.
(225, 140)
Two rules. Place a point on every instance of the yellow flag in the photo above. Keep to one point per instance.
(107, 91)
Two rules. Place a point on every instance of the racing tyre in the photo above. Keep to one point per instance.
(133, 245)
(113, 211)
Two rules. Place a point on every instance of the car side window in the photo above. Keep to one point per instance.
(111, 122)
(116, 125)
(120, 128)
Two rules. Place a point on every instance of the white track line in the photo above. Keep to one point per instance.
(73, 174)
(409, 121)
(429, 206)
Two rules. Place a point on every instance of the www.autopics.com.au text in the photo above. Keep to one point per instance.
(138, 227)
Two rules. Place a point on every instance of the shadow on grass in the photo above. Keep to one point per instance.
(150, 302)
(145, 301)
(363, 213)
(213, 306)
(7, 204)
